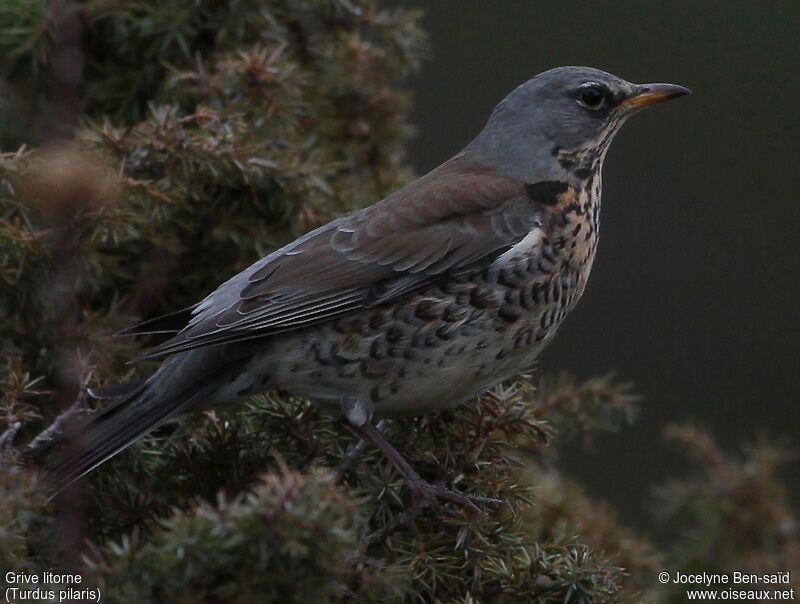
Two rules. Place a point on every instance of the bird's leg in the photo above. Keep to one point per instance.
(355, 451)
(422, 491)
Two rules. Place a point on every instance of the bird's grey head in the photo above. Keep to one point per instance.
(558, 125)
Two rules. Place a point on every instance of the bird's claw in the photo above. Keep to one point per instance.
(426, 496)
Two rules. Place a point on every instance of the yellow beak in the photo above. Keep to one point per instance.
(650, 94)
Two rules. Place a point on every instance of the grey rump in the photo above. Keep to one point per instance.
(416, 303)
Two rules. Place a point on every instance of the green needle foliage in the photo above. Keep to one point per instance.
(280, 542)
(149, 151)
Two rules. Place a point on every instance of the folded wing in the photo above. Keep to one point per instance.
(460, 216)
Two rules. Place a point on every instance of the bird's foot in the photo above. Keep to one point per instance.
(426, 496)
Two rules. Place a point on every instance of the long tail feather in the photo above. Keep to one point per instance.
(110, 430)
(122, 389)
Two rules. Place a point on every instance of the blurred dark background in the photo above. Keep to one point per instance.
(694, 294)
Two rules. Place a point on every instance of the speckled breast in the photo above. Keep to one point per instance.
(453, 340)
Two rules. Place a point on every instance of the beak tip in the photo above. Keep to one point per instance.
(680, 90)
(665, 90)
(649, 94)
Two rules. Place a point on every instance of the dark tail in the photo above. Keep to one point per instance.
(111, 429)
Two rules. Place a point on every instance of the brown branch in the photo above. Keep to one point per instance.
(8, 436)
(401, 522)
(55, 429)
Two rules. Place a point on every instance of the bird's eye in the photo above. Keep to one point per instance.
(591, 97)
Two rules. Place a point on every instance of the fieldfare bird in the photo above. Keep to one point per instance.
(414, 304)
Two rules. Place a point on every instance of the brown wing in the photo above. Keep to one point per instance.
(458, 216)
